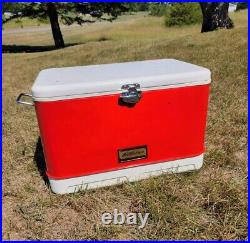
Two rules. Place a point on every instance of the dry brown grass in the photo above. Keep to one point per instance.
(207, 204)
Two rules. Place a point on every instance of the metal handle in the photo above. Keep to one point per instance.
(19, 99)
(131, 93)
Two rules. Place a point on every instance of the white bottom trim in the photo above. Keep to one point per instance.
(75, 184)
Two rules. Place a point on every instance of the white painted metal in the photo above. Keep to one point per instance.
(125, 175)
(74, 82)
(232, 7)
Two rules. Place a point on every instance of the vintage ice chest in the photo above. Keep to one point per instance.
(106, 124)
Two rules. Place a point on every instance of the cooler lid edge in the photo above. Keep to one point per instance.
(57, 82)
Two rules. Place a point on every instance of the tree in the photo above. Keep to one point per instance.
(69, 13)
(183, 14)
(158, 8)
(12, 7)
(241, 5)
(137, 6)
(215, 15)
(142, 6)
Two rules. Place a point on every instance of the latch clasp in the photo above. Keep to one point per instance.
(131, 93)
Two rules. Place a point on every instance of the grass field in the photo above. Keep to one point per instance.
(208, 204)
(24, 23)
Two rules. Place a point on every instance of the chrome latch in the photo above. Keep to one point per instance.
(131, 93)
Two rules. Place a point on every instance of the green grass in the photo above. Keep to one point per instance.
(27, 22)
(24, 23)
(207, 204)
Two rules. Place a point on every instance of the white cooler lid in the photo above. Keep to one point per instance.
(84, 81)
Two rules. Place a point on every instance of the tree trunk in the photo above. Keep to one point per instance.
(55, 27)
(215, 15)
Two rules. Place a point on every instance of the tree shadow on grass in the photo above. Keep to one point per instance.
(30, 49)
(40, 161)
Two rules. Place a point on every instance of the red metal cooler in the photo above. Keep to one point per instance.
(105, 124)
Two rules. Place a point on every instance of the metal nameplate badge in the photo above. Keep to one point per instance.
(134, 153)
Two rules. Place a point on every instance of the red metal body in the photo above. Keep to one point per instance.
(82, 136)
